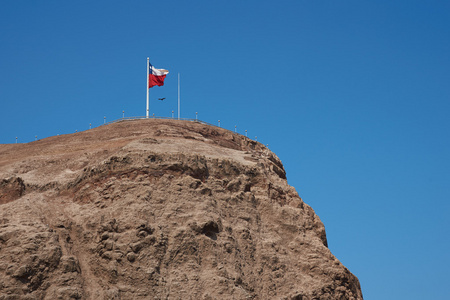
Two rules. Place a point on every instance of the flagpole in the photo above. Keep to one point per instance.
(148, 66)
(178, 96)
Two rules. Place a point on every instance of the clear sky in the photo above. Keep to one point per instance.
(353, 96)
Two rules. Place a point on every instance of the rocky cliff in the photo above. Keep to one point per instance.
(158, 209)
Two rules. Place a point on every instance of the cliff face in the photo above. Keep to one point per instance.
(154, 209)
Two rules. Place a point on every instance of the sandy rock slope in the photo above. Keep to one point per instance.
(158, 209)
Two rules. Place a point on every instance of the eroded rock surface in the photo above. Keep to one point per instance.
(155, 209)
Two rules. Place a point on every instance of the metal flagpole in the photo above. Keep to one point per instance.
(148, 66)
(178, 96)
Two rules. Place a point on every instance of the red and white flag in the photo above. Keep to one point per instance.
(156, 76)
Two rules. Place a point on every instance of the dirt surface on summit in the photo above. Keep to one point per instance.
(158, 209)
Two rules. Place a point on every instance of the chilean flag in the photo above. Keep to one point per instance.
(156, 76)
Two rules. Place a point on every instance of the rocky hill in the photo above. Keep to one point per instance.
(158, 209)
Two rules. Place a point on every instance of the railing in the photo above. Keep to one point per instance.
(156, 117)
(169, 118)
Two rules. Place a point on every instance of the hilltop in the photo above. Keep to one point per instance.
(159, 209)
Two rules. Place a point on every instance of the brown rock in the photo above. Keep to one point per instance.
(11, 189)
(152, 209)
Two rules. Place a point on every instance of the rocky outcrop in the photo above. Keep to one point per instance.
(11, 189)
(155, 209)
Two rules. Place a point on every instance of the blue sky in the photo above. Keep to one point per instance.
(353, 96)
